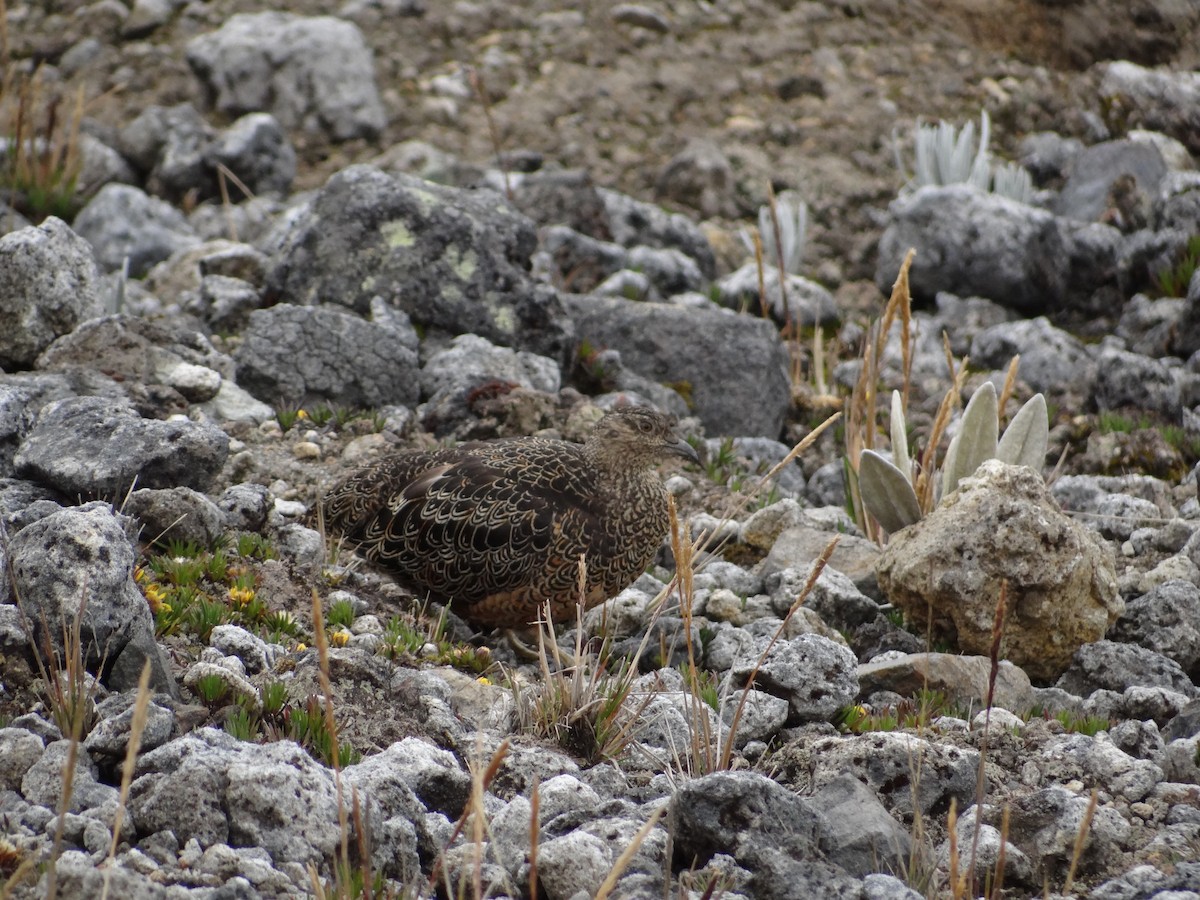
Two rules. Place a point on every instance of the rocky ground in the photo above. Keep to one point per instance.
(253, 290)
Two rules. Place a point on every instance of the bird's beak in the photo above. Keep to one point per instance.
(679, 447)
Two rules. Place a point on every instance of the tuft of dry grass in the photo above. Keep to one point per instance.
(41, 160)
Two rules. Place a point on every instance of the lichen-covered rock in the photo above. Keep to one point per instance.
(454, 261)
(1001, 526)
(48, 285)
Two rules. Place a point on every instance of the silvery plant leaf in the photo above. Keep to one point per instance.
(899, 431)
(1025, 438)
(886, 493)
(976, 439)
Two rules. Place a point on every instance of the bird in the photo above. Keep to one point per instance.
(496, 529)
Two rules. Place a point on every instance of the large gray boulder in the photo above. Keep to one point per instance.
(48, 285)
(732, 369)
(315, 74)
(301, 354)
(455, 261)
(98, 447)
(976, 244)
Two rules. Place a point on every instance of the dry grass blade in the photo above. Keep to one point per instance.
(818, 567)
(956, 882)
(493, 131)
(622, 862)
(141, 708)
(1010, 384)
(1081, 839)
(535, 812)
(484, 777)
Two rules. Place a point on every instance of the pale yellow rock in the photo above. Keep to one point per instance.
(1001, 525)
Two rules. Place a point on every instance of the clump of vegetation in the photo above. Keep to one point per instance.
(192, 590)
(1173, 280)
(913, 713)
(782, 232)
(40, 159)
(321, 416)
(420, 637)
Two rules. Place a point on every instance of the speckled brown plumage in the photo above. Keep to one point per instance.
(496, 528)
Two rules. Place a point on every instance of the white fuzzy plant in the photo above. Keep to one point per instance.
(946, 155)
(791, 212)
(887, 487)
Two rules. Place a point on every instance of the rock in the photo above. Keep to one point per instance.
(905, 771)
(741, 813)
(18, 751)
(1111, 666)
(733, 369)
(1088, 194)
(1125, 379)
(160, 365)
(93, 446)
(1001, 525)
(1167, 620)
(455, 261)
(256, 149)
(962, 679)
(1161, 100)
(815, 675)
(469, 362)
(111, 734)
(976, 244)
(175, 514)
(43, 781)
(633, 222)
(168, 145)
(557, 197)
(48, 285)
(857, 832)
(833, 597)
(855, 557)
(301, 354)
(1098, 761)
(434, 775)
(313, 74)
(255, 653)
(79, 558)
(1046, 823)
(808, 303)
(1051, 358)
(574, 864)
(245, 506)
(699, 176)
(123, 222)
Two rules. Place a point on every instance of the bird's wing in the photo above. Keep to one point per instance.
(490, 521)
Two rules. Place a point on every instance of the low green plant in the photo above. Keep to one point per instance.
(340, 615)
(212, 689)
(308, 727)
(1173, 280)
(915, 713)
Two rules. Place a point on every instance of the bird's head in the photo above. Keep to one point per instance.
(634, 437)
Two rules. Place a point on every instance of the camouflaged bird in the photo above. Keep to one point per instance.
(496, 528)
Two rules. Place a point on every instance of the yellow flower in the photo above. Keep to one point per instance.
(240, 595)
(155, 595)
(300, 648)
(483, 679)
(301, 414)
(339, 638)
